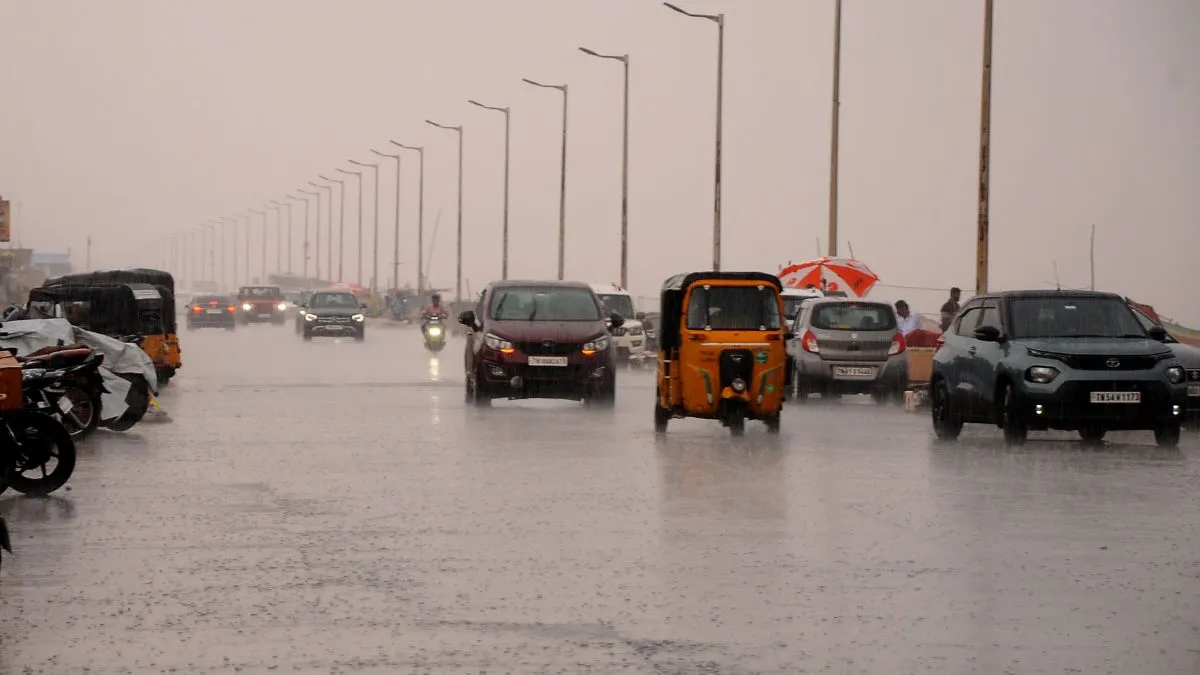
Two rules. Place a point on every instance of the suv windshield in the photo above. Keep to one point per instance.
(733, 308)
(544, 303)
(333, 300)
(621, 304)
(853, 316)
(268, 292)
(1073, 317)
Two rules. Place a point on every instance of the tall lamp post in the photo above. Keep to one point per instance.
(624, 59)
(396, 225)
(420, 150)
(562, 178)
(834, 122)
(249, 216)
(212, 252)
(507, 128)
(375, 216)
(328, 224)
(359, 175)
(279, 230)
(304, 250)
(341, 228)
(458, 243)
(718, 19)
(225, 239)
(263, 280)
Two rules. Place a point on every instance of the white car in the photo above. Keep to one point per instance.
(629, 339)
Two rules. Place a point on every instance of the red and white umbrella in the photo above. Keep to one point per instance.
(351, 287)
(831, 275)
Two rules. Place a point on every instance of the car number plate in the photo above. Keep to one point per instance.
(264, 316)
(851, 372)
(65, 405)
(216, 311)
(1116, 397)
(1194, 390)
(556, 361)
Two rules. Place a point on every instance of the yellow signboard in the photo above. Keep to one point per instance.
(5, 221)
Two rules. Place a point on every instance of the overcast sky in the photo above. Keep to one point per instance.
(129, 120)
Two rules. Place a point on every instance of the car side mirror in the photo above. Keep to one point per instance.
(1158, 333)
(467, 318)
(987, 334)
(615, 320)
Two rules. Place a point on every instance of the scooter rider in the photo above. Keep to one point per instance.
(435, 308)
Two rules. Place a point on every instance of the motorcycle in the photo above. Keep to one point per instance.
(435, 334)
(29, 440)
(65, 382)
(5, 542)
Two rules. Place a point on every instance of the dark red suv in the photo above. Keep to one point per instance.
(540, 339)
(261, 304)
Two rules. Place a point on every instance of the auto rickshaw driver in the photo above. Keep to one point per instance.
(722, 352)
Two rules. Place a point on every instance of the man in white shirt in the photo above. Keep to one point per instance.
(907, 321)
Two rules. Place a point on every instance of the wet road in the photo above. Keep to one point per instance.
(334, 507)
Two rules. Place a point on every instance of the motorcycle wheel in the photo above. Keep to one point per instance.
(138, 400)
(34, 439)
(84, 415)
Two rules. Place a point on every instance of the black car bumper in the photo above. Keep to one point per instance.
(327, 327)
(211, 321)
(1071, 406)
(518, 380)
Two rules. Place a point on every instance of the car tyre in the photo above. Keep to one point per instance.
(360, 336)
(605, 397)
(307, 335)
(1167, 434)
(475, 396)
(800, 390)
(232, 326)
(1016, 430)
(662, 417)
(1092, 435)
(947, 424)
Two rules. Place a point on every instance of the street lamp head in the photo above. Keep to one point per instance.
(418, 148)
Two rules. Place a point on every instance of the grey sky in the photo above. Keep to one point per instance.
(125, 119)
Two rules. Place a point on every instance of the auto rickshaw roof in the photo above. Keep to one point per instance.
(129, 275)
(681, 282)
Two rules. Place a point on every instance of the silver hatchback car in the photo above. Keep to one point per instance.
(847, 346)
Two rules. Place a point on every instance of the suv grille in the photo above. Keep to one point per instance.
(548, 348)
(1102, 362)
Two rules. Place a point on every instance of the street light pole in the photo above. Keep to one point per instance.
(246, 269)
(304, 254)
(719, 19)
(835, 132)
(396, 233)
(985, 156)
(359, 174)
(624, 59)
(328, 223)
(263, 280)
(507, 129)
(375, 218)
(279, 207)
(459, 243)
(420, 150)
(212, 252)
(341, 228)
(562, 178)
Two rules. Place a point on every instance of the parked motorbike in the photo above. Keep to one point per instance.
(435, 334)
(5, 542)
(30, 441)
(65, 382)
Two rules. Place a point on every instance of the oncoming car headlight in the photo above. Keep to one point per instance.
(1041, 374)
(358, 317)
(246, 307)
(499, 344)
(597, 345)
(1176, 374)
(310, 317)
(281, 306)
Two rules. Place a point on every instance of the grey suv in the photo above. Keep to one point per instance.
(844, 346)
(1068, 360)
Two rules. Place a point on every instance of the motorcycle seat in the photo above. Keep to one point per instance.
(47, 355)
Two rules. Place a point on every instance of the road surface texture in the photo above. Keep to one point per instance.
(334, 507)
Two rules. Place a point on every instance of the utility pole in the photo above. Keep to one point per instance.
(985, 148)
(835, 132)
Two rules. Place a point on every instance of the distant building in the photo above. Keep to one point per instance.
(53, 264)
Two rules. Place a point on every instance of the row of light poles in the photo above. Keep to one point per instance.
(303, 195)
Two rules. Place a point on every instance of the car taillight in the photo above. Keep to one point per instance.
(196, 308)
(231, 308)
(940, 342)
(898, 345)
(809, 342)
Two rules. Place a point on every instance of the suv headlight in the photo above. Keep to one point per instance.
(281, 306)
(498, 343)
(1041, 374)
(358, 317)
(1176, 374)
(597, 345)
(310, 317)
(246, 307)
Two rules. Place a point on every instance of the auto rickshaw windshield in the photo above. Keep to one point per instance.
(733, 308)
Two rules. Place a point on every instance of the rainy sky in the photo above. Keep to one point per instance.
(128, 120)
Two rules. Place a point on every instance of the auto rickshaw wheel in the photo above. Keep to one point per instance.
(661, 417)
(772, 422)
(736, 420)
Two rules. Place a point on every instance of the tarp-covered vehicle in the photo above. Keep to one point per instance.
(128, 372)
